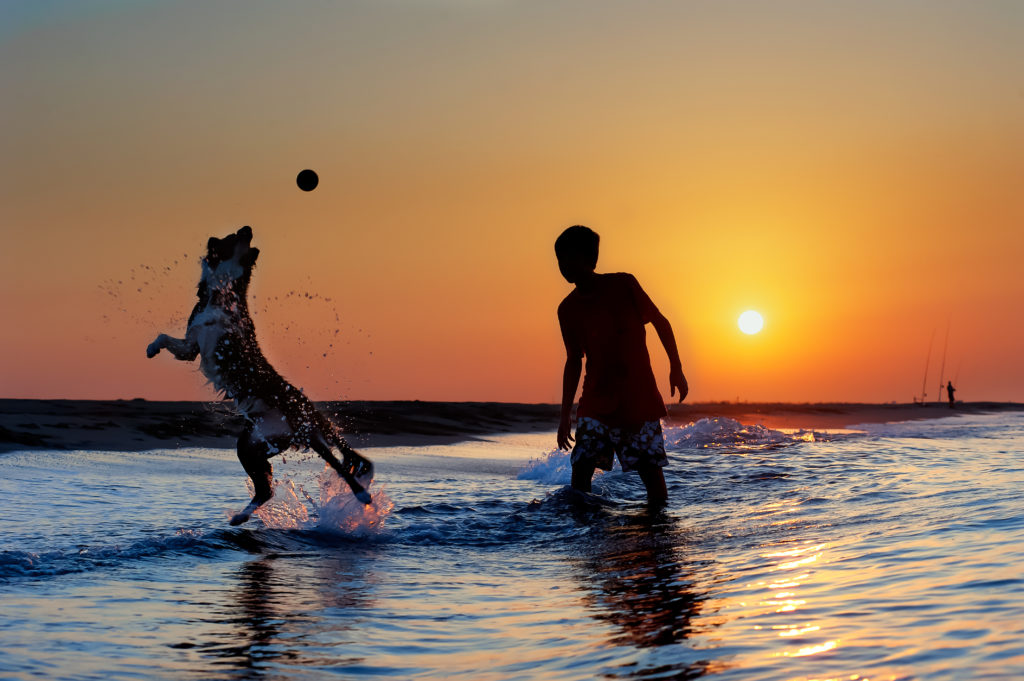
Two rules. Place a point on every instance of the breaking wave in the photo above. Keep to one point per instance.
(721, 432)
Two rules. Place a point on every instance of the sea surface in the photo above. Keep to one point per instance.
(886, 552)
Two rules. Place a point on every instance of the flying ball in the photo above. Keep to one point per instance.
(307, 180)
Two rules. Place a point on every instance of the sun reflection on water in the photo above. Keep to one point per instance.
(783, 599)
(811, 650)
(794, 630)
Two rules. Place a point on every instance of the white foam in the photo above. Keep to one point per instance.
(725, 432)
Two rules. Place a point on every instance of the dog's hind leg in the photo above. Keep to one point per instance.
(255, 453)
(357, 463)
(324, 450)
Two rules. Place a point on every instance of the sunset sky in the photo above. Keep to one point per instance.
(852, 170)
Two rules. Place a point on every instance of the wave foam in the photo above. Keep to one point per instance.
(555, 467)
(721, 432)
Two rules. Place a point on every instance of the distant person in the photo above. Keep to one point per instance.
(949, 391)
(620, 410)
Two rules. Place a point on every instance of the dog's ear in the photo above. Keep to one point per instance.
(245, 233)
(249, 259)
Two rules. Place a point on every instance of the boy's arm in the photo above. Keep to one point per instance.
(650, 313)
(570, 379)
(676, 379)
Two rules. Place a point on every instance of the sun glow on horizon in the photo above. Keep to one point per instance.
(751, 322)
(794, 172)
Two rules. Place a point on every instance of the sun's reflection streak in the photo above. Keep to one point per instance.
(811, 650)
(785, 594)
(792, 582)
(794, 630)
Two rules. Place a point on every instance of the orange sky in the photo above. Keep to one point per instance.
(850, 170)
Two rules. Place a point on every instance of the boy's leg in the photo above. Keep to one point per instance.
(593, 450)
(582, 475)
(654, 481)
(643, 450)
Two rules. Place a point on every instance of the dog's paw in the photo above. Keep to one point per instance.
(245, 513)
(154, 348)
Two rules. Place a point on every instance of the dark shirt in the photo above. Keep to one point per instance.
(605, 324)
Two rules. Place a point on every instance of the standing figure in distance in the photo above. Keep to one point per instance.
(620, 409)
(949, 391)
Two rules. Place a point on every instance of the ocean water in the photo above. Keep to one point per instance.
(894, 552)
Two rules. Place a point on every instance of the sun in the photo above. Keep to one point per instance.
(751, 322)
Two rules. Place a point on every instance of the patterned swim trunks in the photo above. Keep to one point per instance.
(596, 442)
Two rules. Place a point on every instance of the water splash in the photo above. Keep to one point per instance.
(332, 509)
(553, 468)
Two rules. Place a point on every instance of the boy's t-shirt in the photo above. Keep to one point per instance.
(605, 324)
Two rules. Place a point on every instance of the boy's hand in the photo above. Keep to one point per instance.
(677, 381)
(565, 438)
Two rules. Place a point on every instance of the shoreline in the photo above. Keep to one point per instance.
(828, 415)
(137, 425)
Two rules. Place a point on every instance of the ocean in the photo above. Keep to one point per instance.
(890, 551)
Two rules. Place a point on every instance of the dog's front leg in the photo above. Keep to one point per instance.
(185, 349)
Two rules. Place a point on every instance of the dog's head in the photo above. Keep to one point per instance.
(227, 266)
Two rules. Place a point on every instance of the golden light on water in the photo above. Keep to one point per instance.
(797, 631)
(751, 322)
(813, 650)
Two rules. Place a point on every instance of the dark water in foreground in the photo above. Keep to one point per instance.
(893, 553)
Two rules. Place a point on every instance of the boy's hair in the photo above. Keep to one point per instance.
(578, 240)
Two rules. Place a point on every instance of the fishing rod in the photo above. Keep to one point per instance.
(942, 370)
(927, 361)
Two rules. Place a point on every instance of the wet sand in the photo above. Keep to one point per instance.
(138, 425)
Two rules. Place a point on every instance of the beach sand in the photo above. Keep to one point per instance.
(138, 425)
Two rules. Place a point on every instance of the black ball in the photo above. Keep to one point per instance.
(307, 180)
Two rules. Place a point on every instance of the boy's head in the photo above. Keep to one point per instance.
(576, 249)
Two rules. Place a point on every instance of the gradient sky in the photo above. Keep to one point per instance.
(852, 170)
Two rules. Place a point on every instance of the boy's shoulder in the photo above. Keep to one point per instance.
(616, 281)
(609, 283)
(569, 302)
(624, 278)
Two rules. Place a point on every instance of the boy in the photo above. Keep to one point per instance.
(620, 410)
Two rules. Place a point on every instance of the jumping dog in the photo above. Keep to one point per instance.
(277, 415)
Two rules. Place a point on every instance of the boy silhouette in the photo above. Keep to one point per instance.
(620, 409)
